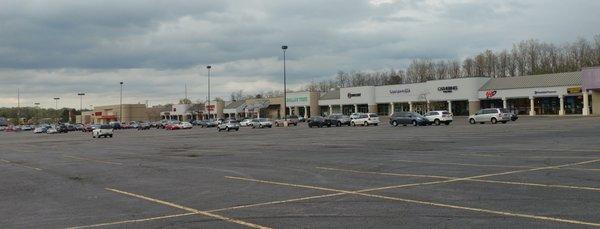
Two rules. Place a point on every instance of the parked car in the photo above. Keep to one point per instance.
(261, 123)
(492, 115)
(355, 115)
(172, 125)
(439, 117)
(365, 120)
(246, 122)
(41, 129)
(185, 125)
(318, 121)
(209, 123)
(61, 128)
(229, 125)
(103, 131)
(513, 116)
(87, 128)
(52, 130)
(301, 119)
(115, 125)
(339, 119)
(27, 128)
(144, 126)
(408, 118)
(292, 120)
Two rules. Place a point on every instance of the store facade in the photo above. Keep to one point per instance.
(550, 94)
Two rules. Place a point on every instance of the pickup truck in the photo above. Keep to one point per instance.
(103, 131)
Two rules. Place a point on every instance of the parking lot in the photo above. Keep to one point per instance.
(541, 172)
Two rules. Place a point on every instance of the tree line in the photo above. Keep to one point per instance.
(528, 57)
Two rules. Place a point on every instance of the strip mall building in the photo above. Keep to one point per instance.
(550, 94)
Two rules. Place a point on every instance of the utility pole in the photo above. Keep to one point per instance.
(19, 105)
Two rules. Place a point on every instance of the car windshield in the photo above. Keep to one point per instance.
(373, 115)
(262, 120)
(504, 110)
(446, 112)
(233, 121)
(105, 127)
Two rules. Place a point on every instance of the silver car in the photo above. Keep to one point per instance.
(261, 123)
(493, 115)
(229, 125)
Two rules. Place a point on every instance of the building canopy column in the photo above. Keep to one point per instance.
(561, 111)
(450, 106)
(586, 103)
(531, 106)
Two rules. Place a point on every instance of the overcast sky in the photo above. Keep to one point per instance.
(57, 48)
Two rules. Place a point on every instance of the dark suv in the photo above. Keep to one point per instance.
(339, 120)
(318, 121)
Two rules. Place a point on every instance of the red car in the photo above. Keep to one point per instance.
(172, 126)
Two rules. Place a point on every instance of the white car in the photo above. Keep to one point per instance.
(493, 115)
(246, 122)
(103, 131)
(355, 115)
(185, 125)
(439, 117)
(365, 120)
(261, 123)
(52, 130)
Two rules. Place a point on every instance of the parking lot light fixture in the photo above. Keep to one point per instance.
(208, 107)
(284, 48)
(121, 104)
(81, 94)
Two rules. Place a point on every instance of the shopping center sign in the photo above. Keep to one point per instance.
(490, 93)
(297, 99)
(448, 89)
(350, 95)
(400, 91)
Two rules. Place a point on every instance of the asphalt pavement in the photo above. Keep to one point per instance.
(537, 172)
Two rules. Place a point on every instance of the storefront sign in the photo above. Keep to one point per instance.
(298, 99)
(543, 92)
(98, 114)
(574, 90)
(448, 89)
(210, 108)
(400, 91)
(490, 93)
(350, 95)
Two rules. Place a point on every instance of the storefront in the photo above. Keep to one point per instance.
(551, 94)
(304, 104)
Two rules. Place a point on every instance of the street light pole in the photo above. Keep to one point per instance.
(81, 94)
(121, 104)
(208, 108)
(56, 103)
(284, 84)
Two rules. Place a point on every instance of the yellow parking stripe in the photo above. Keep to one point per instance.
(132, 221)
(313, 197)
(26, 166)
(484, 165)
(191, 210)
(545, 218)
(94, 160)
(473, 180)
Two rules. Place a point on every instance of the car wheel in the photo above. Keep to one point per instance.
(494, 120)
(352, 124)
(338, 124)
(93, 136)
(237, 129)
(436, 122)
(414, 123)
(227, 129)
(376, 124)
(110, 136)
(394, 123)
(447, 123)
(472, 121)
(366, 124)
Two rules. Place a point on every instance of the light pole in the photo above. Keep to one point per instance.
(121, 104)
(208, 108)
(284, 48)
(81, 94)
(56, 103)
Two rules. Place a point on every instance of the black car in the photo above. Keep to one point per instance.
(318, 121)
(408, 118)
(62, 128)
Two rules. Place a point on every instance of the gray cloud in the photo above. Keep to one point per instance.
(58, 48)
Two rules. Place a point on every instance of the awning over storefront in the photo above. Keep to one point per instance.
(257, 105)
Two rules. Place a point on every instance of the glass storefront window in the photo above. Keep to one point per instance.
(383, 109)
(573, 104)
(547, 105)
